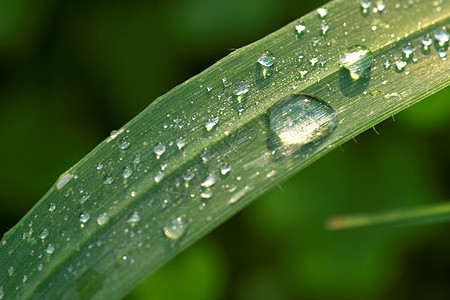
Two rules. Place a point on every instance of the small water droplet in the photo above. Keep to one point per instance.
(25, 278)
(85, 198)
(44, 234)
(52, 207)
(313, 61)
(2, 293)
(400, 64)
(159, 150)
(324, 28)
(238, 195)
(442, 52)
(137, 159)
(188, 175)
(356, 60)
(380, 6)
(134, 218)
(180, 143)
(300, 27)
(84, 217)
(50, 249)
(175, 228)
(442, 36)
(123, 143)
(159, 176)
(426, 42)
(205, 155)
(407, 50)
(303, 73)
(99, 166)
(209, 125)
(387, 64)
(365, 6)
(108, 179)
(102, 219)
(206, 193)
(225, 82)
(40, 267)
(63, 180)
(322, 12)
(240, 88)
(266, 59)
(127, 172)
(115, 133)
(224, 169)
(11, 271)
(209, 181)
(300, 119)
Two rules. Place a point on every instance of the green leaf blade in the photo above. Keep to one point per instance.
(106, 258)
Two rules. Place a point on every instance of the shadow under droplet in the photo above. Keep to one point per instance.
(351, 87)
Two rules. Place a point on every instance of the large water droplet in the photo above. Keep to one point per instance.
(301, 119)
(175, 228)
(266, 59)
(356, 60)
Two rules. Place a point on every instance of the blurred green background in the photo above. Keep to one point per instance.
(71, 71)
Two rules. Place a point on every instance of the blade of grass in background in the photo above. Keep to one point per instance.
(210, 146)
(408, 216)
